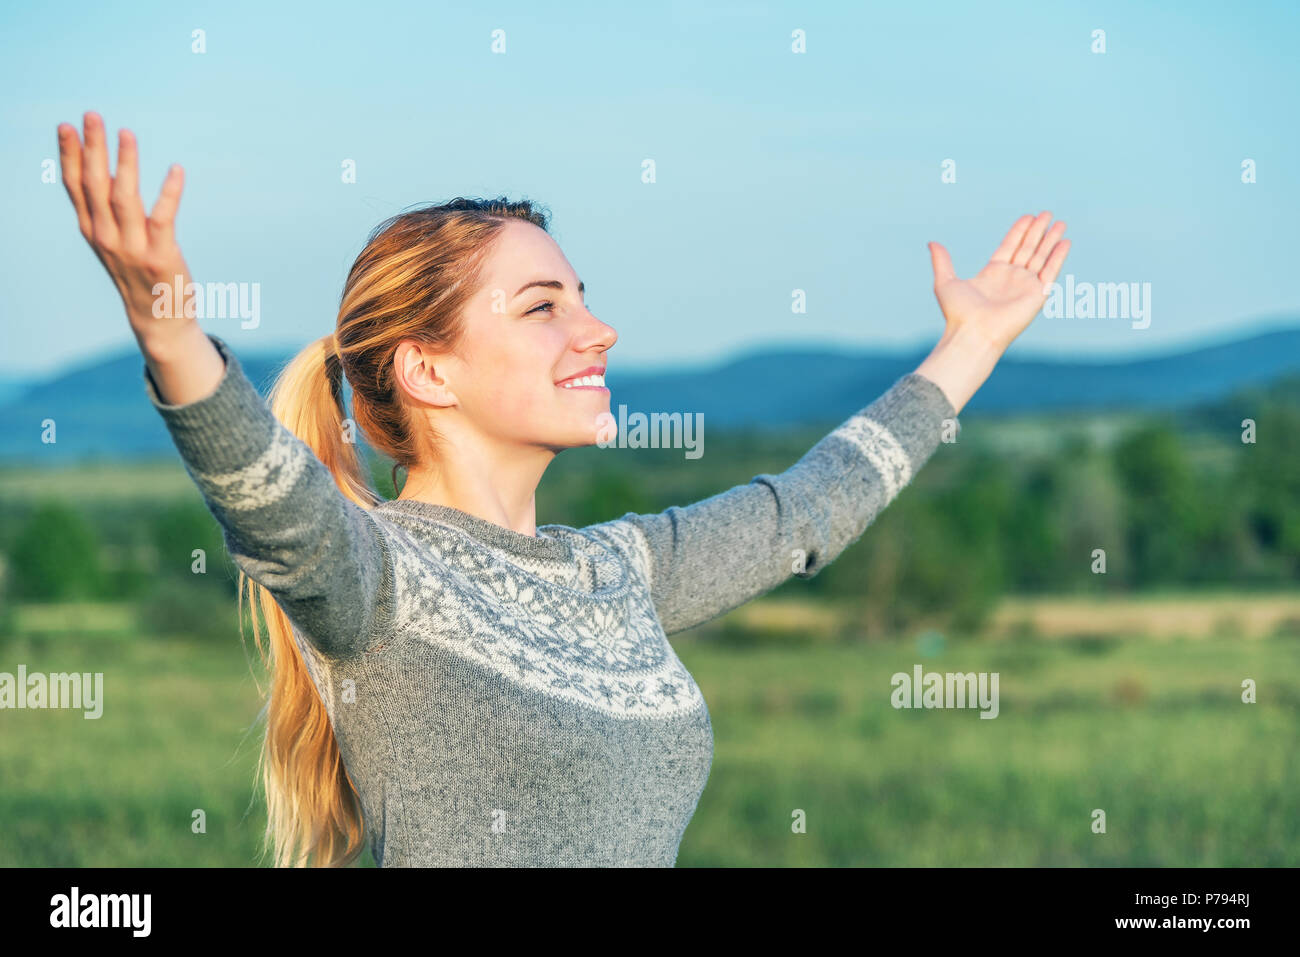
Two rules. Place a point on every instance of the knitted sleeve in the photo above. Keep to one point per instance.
(284, 520)
(707, 558)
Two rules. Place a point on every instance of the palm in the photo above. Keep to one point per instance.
(138, 251)
(1004, 296)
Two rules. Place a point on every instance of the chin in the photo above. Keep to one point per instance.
(583, 437)
(589, 429)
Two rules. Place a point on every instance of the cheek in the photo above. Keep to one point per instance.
(519, 391)
(517, 400)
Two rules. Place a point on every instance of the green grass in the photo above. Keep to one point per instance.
(1154, 733)
(122, 789)
(99, 484)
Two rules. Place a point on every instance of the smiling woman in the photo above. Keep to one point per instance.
(452, 683)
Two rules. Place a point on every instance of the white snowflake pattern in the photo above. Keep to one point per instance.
(603, 648)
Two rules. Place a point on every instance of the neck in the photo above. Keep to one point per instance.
(497, 486)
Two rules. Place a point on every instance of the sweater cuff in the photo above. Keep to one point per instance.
(223, 431)
(919, 416)
(898, 432)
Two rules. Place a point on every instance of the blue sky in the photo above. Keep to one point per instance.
(775, 171)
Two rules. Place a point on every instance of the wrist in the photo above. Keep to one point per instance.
(164, 343)
(960, 363)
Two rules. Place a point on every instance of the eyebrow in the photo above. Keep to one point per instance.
(549, 284)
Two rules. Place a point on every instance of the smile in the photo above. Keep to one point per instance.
(586, 382)
(593, 378)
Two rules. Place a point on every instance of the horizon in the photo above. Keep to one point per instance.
(1264, 327)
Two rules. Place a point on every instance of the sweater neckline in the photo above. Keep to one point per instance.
(544, 545)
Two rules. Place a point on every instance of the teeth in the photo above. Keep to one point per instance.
(587, 380)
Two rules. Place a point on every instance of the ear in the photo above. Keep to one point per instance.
(422, 374)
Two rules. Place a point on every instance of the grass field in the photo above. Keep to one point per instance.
(1153, 732)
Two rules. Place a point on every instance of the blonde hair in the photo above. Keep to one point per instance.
(411, 281)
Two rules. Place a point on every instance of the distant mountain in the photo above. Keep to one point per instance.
(789, 388)
(11, 387)
(101, 409)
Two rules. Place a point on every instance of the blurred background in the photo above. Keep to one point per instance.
(746, 189)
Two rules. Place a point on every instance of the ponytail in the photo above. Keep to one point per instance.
(412, 280)
(313, 810)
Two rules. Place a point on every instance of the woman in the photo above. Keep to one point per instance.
(452, 683)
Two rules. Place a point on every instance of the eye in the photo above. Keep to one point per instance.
(545, 305)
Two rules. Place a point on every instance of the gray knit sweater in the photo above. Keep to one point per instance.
(504, 699)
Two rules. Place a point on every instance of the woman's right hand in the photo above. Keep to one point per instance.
(138, 251)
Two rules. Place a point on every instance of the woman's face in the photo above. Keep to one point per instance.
(528, 337)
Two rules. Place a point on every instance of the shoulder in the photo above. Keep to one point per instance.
(622, 535)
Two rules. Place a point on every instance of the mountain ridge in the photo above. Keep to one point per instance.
(101, 411)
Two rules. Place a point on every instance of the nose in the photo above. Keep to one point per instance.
(596, 335)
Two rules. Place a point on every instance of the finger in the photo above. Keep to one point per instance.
(70, 161)
(1054, 262)
(125, 194)
(941, 263)
(1032, 236)
(1012, 240)
(95, 182)
(1045, 248)
(163, 218)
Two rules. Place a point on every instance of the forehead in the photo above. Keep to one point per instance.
(525, 251)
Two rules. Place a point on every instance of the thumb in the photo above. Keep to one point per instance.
(942, 264)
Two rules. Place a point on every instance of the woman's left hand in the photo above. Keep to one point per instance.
(1000, 301)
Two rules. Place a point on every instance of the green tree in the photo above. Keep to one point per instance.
(1161, 507)
(182, 527)
(1268, 479)
(55, 556)
(604, 496)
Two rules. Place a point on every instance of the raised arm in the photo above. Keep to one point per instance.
(707, 558)
(285, 521)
